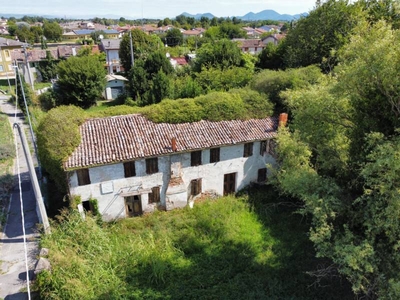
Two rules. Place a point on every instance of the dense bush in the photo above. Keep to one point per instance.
(216, 106)
(273, 83)
(256, 104)
(215, 79)
(221, 106)
(57, 137)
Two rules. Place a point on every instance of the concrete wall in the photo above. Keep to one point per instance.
(109, 186)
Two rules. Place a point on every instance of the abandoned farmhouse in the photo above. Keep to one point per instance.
(132, 165)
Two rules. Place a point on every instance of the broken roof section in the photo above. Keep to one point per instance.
(123, 138)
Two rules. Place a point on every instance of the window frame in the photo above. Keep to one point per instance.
(248, 149)
(151, 165)
(129, 169)
(196, 186)
(262, 175)
(154, 196)
(195, 158)
(215, 155)
(83, 177)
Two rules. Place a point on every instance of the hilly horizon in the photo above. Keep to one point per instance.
(267, 14)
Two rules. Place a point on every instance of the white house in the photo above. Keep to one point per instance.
(111, 48)
(252, 46)
(132, 165)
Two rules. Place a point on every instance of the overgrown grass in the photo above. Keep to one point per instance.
(230, 248)
(7, 154)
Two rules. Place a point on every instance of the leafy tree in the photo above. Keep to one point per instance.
(272, 83)
(369, 75)
(12, 29)
(314, 38)
(173, 37)
(81, 81)
(341, 159)
(222, 54)
(48, 67)
(148, 80)
(271, 57)
(52, 31)
(37, 32)
(142, 44)
(25, 35)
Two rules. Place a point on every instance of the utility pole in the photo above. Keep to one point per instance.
(130, 40)
(27, 67)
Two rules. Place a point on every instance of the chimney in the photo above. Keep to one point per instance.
(283, 119)
(173, 144)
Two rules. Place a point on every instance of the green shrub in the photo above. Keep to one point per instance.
(174, 111)
(219, 106)
(47, 100)
(257, 104)
(57, 137)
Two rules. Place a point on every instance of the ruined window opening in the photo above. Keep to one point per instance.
(133, 206)
(214, 155)
(262, 175)
(129, 169)
(154, 196)
(263, 147)
(195, 187)
(248, 150)
(152, 165)
(87, 206)
(229, 183)
(83, 176)
(195, 158)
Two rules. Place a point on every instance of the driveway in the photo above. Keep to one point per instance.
(13, 283)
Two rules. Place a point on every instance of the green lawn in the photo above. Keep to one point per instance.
(231, 248)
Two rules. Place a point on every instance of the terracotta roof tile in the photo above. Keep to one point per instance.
(122, 138)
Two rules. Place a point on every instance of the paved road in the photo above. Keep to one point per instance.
(13, 284)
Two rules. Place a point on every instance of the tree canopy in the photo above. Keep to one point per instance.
(341, 158)
(81, 81)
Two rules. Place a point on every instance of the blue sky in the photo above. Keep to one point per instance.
(152, 8)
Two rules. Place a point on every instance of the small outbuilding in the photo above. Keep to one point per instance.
(115, 86)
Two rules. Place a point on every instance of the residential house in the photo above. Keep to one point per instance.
(273, 38)
(271, 28)
(132, 165)
(253, 33)
(178, 61)
(193, 33)
(115, 86)
(111, 49)
(6, 61)
(34, 56)
(252, 46)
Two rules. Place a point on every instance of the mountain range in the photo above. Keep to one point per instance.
(267, 14)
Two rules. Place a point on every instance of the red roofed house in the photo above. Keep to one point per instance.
(252, 46)
(273, 38)
(132, 165)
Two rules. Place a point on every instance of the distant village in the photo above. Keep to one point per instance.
(107, 38)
